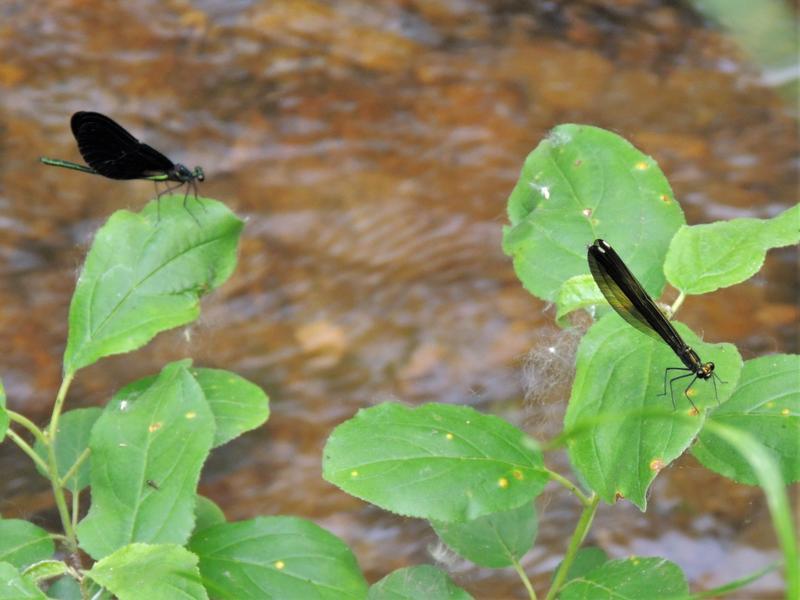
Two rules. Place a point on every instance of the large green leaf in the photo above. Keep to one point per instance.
(415, 583)
(497, 540)
(155, 572)
(74, 429)
(632, 578)
(704, 258)
(143, 276)
(277, 557)
(147, 451)
(436, 461)
(583, 183)
(14, 586)
(616, 446)
(767, 405)
(23, 543)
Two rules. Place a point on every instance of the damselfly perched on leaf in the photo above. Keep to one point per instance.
(627, 296)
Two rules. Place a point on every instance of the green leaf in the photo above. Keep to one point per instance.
(586, 559)
(577, 292)
(206, 513)
(147, 451)
(769, 478)
(74, 428)
(583, 183)
(66, 588)
(497, 540)
(616, 445)
(767, 405)
(142, 277)
(45, 569)
(414, 583)
(435, 461)
(23, 543)
(704, 258)
(3, 412)
(155, 572)
(629, 579)
(276, 557)
(14, 586)
(237, 404)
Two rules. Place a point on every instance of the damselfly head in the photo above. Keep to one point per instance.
(705, 371)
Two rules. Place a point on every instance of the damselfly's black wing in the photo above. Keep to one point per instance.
(627, 296)
(113, 152)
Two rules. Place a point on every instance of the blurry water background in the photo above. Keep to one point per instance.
(371, 147)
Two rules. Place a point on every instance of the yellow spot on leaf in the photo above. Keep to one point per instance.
(279, 564)
(517, 474)
(191, 414)
(664, 198)
(449, 436)
(154, 427)
(353, 473)
(641, 166)
(785, 412)
(770, 405)
(502, 482)
(656, 464)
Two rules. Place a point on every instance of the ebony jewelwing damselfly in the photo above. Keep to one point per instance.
(111, 151)
(627, 296)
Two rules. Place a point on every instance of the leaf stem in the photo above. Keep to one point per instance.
(677, 304)
(75, 466)
(570, 486)
(55, 480)
(525, 581)
(581, 529)
(29, 425)
(26, 448)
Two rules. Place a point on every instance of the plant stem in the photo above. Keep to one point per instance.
(570, 486)
(581, 529)
(75, 466)
(60, 397)
(525, 581)
(25, 447)
(677, 304)
(55, 480)
(29, 425)
(76, 505)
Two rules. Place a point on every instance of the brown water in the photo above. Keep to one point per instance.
(371, 147)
